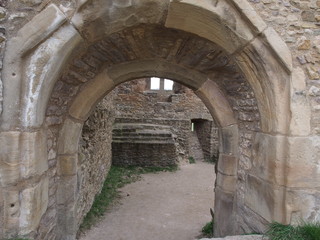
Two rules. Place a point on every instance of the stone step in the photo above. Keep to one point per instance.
(143, 133)
(136, 126)
(144, 141)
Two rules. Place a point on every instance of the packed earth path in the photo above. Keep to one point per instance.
(165, 205)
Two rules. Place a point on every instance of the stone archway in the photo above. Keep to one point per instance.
(235, 44)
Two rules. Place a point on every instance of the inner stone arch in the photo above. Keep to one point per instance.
(185, 58)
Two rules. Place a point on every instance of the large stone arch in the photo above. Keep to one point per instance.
(85, 102)
(42, 50)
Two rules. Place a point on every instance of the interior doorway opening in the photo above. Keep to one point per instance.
(150, 129)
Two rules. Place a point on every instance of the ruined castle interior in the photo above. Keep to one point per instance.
(74, 67)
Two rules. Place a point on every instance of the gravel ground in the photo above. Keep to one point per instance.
(163, 206)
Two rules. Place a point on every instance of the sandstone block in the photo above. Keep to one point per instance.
(22, 155)
(308, 16)
(226, 183)
(67, 165)
(204, 17)
(69, 137)
(229, 140)
(224, 215)
(11, 211)
(279, 48)
(300, 106)
(287, 161)
(305, 45)
(114, 16)
(302, 204)
(66, 192)
(271, 85)
(265, 199)
(34, 202)
(248, 11)
(93, 92)
(227, 165)
(67, 222)
(217, 103)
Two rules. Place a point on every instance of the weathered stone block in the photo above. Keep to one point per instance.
(11, 212)
(229, 140)
(227, 165)
(86, 99)
(226, 183)
(269, 154)
(114, 16)
(217, 103)
(302, 204)
(66, 222)
(22, 155)
(258, 25)
(302, 166)
(269, 81)
(265, 199)
(67, 165)
(69, 137)
(287, 161)
(249, 221)
(34, 202)
(279, 48)
(67, 190)
(224, 216)
(204, 17)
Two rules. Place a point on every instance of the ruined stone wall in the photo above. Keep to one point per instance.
(179, 128)
(135, 102)
(298, 23)
(94, 154)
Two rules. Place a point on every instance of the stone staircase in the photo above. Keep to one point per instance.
(138, 132)
(141, 144)
(195, 149)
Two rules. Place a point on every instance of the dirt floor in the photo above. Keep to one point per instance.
(163, 206)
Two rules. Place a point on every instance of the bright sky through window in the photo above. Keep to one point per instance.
(168, 84)
(155, 83)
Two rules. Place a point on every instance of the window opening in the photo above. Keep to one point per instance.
(168, 84)
(155, 83)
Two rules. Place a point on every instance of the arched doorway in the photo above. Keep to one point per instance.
(61, 68)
